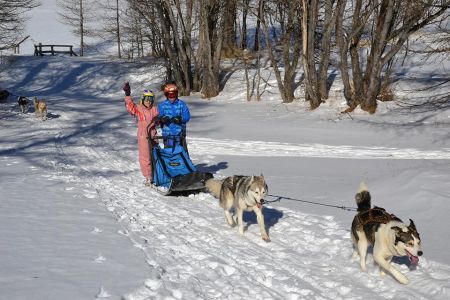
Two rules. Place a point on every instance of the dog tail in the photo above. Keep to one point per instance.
(214, 186)
(363, 198)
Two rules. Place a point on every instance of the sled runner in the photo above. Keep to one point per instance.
(173, 170)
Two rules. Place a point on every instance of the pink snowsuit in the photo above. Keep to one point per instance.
(147, 118)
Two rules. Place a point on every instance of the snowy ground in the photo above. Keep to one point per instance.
(76, 221)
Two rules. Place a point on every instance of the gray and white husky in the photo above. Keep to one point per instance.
(241, 193)
(388, 235)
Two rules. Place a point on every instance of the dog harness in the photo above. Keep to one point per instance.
(375, 215)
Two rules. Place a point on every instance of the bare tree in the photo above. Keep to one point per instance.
(243, 31)
(316, 33)
(136, 28)
(194, 65)
(382, 27)
(112, 14)
(229, 30)
(258, 25)
(118, 28)
(433, 46)
(211, 24)
(12, 21)
(288, 19)
(77, 14)
(177, 43)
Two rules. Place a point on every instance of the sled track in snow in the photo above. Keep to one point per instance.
(194, 254)
(205, 146)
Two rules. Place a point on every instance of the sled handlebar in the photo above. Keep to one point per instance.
(160, 137)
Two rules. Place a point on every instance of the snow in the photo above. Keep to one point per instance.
(76, 222)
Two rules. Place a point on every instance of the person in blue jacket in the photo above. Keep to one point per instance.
(173, 116)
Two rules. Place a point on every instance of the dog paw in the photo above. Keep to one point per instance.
(231, 223)
(402, 279)
(241, 230)
(266, 238)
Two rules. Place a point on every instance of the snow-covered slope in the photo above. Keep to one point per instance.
(77, 222)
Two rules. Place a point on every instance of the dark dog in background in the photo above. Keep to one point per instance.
(23, 104)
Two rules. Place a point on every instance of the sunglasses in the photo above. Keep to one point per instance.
(148, 98)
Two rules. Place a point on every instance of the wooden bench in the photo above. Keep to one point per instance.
(52, 49)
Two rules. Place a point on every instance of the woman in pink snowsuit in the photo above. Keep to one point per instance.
(147, 115)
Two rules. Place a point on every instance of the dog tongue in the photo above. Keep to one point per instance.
(259, 205)
(413, 259)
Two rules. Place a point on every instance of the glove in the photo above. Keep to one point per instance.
(127, 89)
(177, 120)
(165, 120)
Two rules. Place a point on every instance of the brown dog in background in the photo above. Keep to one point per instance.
(40, 108)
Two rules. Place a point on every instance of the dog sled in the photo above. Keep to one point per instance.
(173, 170)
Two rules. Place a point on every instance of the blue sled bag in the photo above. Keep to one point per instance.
(169, 163)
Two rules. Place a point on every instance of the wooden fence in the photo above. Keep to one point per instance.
(52, 49)
(16, 47)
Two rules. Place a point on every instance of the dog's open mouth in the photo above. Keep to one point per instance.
(260, 203)
(412, 258)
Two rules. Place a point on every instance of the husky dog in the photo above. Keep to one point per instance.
(241, 193)
(40, 108)
(23, 104)
(388, 235)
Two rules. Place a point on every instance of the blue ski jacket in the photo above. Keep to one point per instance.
(177, 108)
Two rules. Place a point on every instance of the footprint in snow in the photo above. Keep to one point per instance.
(177, 294)
(213, 265)
(90, 194)
(265, 279)
(153, 284)
(344, 290)
(228, 270)
(96, 230)
(102, 293)
(100, 258)
(122, 232)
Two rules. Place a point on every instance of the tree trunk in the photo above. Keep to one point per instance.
(291, 40)
(81, 29)
(329, 23)
(258, 26)
(210, 51)
(229, 31)
(118, 29)
(244, 24)
(394, 21)
(309, 21)
(342, 45)
(178, 57)
(290, 58)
